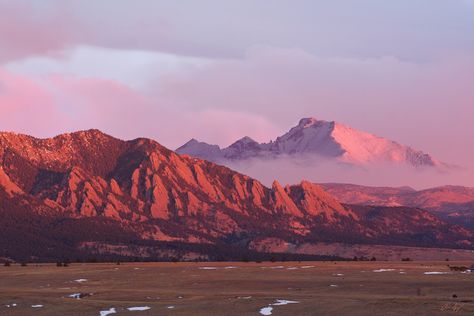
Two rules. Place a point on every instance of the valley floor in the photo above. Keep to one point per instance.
(289, 288)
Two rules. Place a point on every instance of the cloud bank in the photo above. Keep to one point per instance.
(321, 170)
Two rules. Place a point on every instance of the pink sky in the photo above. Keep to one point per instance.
(217, 71)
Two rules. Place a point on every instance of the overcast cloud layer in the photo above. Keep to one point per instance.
(219, 70)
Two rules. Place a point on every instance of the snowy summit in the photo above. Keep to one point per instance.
(319, 138)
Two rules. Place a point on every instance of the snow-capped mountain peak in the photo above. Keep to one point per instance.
(321, 139)
(309, 136)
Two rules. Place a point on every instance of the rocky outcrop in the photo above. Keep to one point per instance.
(283, 202)
(316, 202)
(7, 184)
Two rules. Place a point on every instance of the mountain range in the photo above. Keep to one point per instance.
(323, 140)
(452, 203)
(89, 195)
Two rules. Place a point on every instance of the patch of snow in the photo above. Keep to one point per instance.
(207, 268)
(269, 309)
(266, 310)
(307, 267)
(292, 268)
(230, 267)
(80, 280)
(108, 312)
(383, 270)
(435, 272)
(277, 267)
(139, 308)
(333, 285)
(284, 302)
(170, 307)
(244, 297)
(36, 306)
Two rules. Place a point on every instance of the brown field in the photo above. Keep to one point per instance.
(242, 290)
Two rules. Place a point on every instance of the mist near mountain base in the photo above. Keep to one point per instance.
(292, 170)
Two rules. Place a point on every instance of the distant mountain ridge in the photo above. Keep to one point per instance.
(330, 140)
(453, 203)
(439, 199)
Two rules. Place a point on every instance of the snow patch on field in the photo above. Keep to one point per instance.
(217, 268)
(139, 308)
(284, 302)
(36, 306)
(269, 309)
(80, 280)
(383, 270)
(108, 312)
(435, 272)
(266, 310)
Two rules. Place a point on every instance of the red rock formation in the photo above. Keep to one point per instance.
(283, 202)
(7, 185)
(315, 201)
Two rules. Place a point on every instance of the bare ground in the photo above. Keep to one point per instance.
(320, 288)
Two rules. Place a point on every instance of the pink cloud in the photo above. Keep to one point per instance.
(25, 106)
(55, 104)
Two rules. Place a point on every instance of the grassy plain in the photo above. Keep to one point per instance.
(230, 288)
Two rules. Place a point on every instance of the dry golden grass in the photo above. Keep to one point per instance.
(243, 290)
